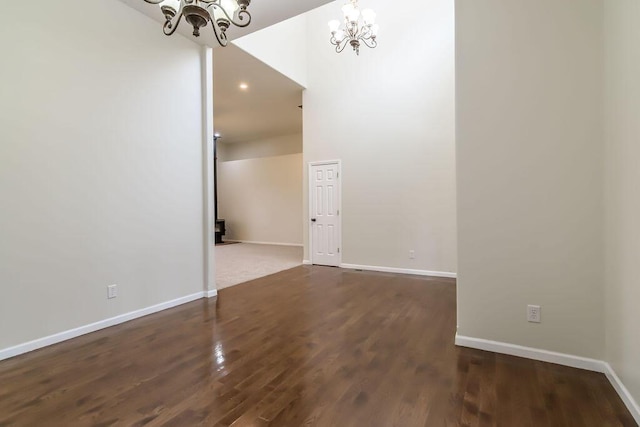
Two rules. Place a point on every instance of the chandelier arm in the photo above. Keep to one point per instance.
(169, 27)
(154, 1)
(221, 36)
(241, 15)
(370, 42)
(341, 45)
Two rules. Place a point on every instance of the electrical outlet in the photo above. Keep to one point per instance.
(412, 254)
(112, 291)
(534, 313)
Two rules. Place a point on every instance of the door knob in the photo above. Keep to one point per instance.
(313, 220)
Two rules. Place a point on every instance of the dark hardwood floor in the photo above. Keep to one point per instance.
(308, 346)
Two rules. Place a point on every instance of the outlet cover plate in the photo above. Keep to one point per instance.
(534, 313)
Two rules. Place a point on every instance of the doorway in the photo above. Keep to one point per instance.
(325, 225)
(259, 168)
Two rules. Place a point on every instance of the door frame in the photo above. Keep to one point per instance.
(310, 165)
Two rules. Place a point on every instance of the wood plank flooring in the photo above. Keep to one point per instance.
(311, 346)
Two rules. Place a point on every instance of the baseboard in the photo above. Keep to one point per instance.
(211, 294)
(532, 353)
(622, 391)
(86, 329)
(297, 245)
(306, 262)
(559, 359)
(400, 270)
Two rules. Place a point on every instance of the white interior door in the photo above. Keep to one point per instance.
(324, 213)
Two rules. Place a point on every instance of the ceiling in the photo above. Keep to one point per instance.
(264, 14)
(268, 108)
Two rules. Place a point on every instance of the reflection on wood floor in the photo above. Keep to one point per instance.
(308, 346)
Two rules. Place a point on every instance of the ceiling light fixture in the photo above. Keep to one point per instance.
(198, 13)
(244, 86)
(355, 31)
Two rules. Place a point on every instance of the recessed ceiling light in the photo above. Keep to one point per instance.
(244, 86)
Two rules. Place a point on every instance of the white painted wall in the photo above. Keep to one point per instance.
(281, 46)
(389, 116)
(261, 199)
(529, 158)
(100, 166)
(267, 147)
(622, 184)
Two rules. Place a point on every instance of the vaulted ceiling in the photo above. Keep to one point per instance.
(264, 13)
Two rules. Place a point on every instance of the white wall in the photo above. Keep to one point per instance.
(98, 186)
(529, 159)
(268, 147)
(261, 199)
(622, 179)
(281, 46)
(388, 114)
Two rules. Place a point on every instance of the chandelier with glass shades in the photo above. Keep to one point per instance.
(359, 28)
(198, 13)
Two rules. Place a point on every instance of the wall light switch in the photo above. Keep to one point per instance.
(112, 291)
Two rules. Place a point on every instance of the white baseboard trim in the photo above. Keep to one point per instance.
(211, 294)
(531, 353)
(297, 245)
(559, 359)
(306, 262)
(86, 329)
(400, 270)
(622, 391)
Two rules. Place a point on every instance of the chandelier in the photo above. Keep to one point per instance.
(355, 31)
(198, 13)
